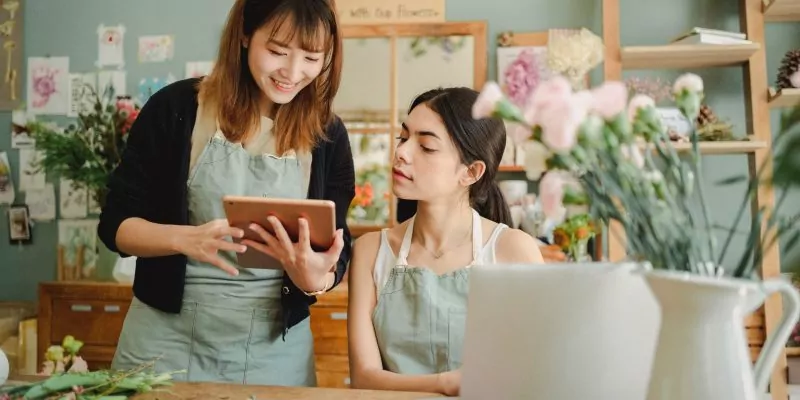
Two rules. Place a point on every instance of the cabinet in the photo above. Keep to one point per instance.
(92, 312)
(329, 326)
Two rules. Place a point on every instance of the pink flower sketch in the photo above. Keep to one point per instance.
(520, 77)
(44, 85)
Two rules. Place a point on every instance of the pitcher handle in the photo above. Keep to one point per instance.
(777, 340)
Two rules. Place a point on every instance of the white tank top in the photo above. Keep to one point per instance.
(387, 259)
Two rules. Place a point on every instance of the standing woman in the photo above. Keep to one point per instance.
(260, 125)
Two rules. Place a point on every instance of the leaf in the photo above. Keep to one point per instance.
(752, 242)
(732, 180)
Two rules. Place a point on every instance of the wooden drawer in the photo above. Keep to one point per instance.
(97, 322)
(329, 325)
(333, 371)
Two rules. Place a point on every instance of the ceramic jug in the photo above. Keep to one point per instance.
(3, 367)
(702, 351)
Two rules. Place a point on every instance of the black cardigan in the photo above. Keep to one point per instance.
(150, 183)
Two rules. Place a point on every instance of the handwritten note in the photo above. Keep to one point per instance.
(359, 12)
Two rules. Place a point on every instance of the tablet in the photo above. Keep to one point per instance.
(241, 211)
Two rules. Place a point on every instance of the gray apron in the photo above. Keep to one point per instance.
(420, 316)
(230, 327)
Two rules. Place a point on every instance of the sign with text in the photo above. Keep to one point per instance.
(359, 12)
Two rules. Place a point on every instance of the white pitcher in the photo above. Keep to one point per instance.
(3, 367)
(702, 352)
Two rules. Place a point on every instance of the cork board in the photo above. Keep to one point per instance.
(11, 67)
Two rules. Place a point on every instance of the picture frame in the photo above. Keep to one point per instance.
(19, 224)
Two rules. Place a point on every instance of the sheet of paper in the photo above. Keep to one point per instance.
(110, 46)
(81, 87)
(158, 48)
(48, 85)
(196, 69)
(72, 201)
(29, 178)
(6, 183)
(94, 208)
(20, 136)
(42, 203)
(77, 245)
(149, 86)
(114, 79)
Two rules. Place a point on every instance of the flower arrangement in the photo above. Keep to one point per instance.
(573, 235)
(68, 378)
(87, 151)
(597, 149)
(367, 207)
(64, 357)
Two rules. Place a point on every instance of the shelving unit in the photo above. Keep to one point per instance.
(759, 100)
(783, 98)
(722, 147)
(781, 10)
(686, 56)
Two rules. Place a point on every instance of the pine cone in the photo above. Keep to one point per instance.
(706, 116)
(789, 65)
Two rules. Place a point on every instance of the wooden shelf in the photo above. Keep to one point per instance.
(781, 10)
(783, 98)
(676, 56)
(722, 147)
(511, 168)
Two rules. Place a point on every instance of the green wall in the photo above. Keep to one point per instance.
(68, 28)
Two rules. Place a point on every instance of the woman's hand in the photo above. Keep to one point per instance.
(450, 382)
(306, 267)
(204, 242)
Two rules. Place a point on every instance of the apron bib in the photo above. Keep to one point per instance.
(230, 327)
(420, 316)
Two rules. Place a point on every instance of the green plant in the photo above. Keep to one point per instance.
(88, 150)
(614, 156)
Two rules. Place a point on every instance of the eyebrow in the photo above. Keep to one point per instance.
(421, 133)
(281, 44)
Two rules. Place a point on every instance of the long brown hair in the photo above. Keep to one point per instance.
(231, 93)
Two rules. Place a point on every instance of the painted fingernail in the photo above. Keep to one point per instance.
(242, 249)
(253, 226)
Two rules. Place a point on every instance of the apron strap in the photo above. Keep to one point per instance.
(477, 240)
(402, 258)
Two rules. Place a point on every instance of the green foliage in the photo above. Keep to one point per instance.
(88, 150)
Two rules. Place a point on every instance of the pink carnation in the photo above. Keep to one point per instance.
(520, 77)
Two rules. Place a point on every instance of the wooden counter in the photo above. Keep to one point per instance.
(219, 391)
(228, 391)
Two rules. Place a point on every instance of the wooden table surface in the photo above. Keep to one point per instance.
(226, 391)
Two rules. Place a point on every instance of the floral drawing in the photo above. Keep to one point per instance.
(520, 77)
(44, 85)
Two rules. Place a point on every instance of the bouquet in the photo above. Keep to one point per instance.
(87, 151)
(68, 378)
(595, 148)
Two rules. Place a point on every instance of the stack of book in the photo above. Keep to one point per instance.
(710, 36)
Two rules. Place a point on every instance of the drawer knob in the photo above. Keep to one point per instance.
(111, 308)
(338, 315)
(81, 308)
(347, 381)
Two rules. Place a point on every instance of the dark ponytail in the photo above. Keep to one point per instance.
(491, 204)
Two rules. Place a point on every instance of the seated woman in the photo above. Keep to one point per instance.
(405, 281)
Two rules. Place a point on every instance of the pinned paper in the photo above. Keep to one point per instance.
(29, 177)
(110, 46)
(6, 184)
(77, 250)
(113, 79)
(42, 203)
(81, 87)
(20, 136)
(48, 85)
(73, 200)
(196, 69)
(156, 48)
(149, 86)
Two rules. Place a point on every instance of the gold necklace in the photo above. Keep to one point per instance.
(437, 255)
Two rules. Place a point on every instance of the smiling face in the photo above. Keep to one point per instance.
(282, 61)
(427, 165)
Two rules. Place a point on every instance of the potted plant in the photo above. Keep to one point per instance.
(87, 151)
(614, 156)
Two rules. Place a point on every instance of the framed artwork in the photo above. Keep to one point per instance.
(12, 28)
(19, 224)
